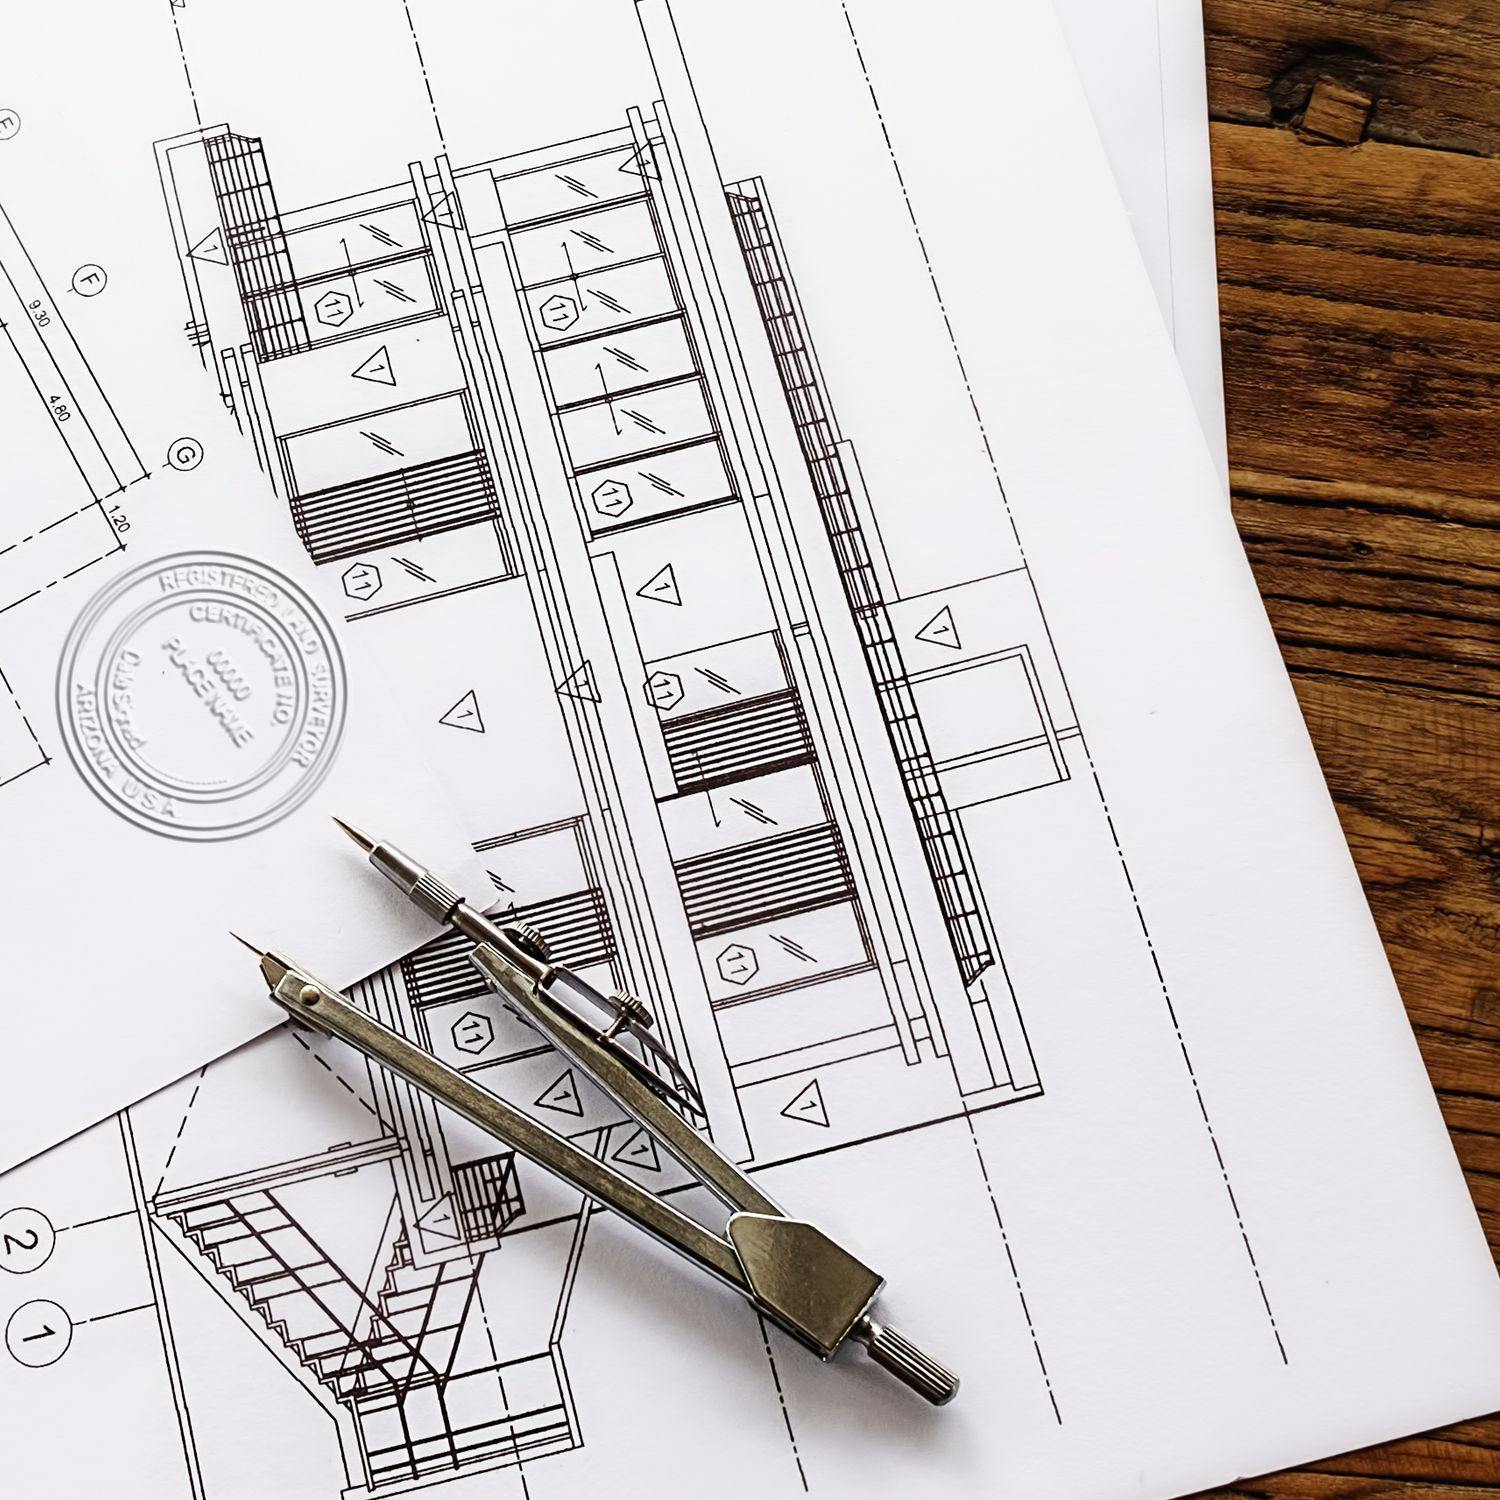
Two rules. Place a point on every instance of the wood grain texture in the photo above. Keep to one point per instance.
(1360, 295)
(1429, 65)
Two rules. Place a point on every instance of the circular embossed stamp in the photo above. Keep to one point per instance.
(202, 696)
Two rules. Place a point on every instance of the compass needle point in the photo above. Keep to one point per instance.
(364, 841)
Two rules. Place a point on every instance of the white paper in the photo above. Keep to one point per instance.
(179, 710)
(1067, 1015)
(1142, 67)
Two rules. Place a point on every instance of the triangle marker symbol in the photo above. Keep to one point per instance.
(940, 630)
(377, 368)
(562, 1095)
(579, 684)
(465, 714)
(438, 1220)
(445, 212)
(211, 248)
(808, 1106)
(642, 163)
(639, 1150)
(662, 587)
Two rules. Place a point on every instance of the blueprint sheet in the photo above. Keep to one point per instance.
(180, 710)
(1142, 66)
(754, 453)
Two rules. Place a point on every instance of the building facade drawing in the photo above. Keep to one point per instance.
(563, 409)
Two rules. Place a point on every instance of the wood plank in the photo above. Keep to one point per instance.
(1429, 65)
(1363, 282)
(1336, 114)
(1302, 1485)
(1460, 1462)
(1359, 286)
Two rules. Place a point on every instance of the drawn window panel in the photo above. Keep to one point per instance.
(987, 730)
(617, 362)
(627, 494)
(765, 880)
(577, 247)
(729, 672)
(761, 807)
(535, 865)
(581, 305)
(763, 1040)
(780, 951)
(353, 303)
(338, 382)
(385, 232)
(693, 583)
(571, 187)
(378, 443)
(623, 426)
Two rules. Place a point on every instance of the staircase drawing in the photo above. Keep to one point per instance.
(425, 1393)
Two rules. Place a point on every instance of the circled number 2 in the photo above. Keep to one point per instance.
(27, 1239)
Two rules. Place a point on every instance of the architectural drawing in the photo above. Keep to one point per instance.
(522, 385)
(61, 422)
(562, 409)
(66, 412)
(521, 381)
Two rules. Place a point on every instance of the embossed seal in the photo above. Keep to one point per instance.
(202, 695)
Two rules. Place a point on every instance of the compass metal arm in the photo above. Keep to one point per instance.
(313, 1003)
(789, 1269)
(534, 1000)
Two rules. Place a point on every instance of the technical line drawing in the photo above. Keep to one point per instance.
(20, 749)
(574, 387)
(575, 418)
(465, 714)
(47, 383)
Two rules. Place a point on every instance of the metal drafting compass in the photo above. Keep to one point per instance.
(787, 1268)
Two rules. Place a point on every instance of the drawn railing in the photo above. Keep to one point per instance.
(938, 831)
(391, 1360)
(353, 1345)
(256, 244)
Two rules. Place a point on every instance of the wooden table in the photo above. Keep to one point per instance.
(1358, 197)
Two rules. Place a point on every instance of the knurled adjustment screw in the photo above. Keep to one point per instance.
(631, 1012)
(528, 937)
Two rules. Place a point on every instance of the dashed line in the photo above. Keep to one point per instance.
(338, 1078)
(187, 72)
(1015, 1273)
(72, 573)
(51, 525)
(181, 1126)
(786, 1415)
(119, 1312)
(46, 760)
(1187, 1060)
(937, 291)
(42, 530)
(1015, 532)
(124, 1213)
(21, 712)
(426, 81)
(489, 1336)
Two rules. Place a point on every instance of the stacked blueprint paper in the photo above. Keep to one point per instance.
(746, 459)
